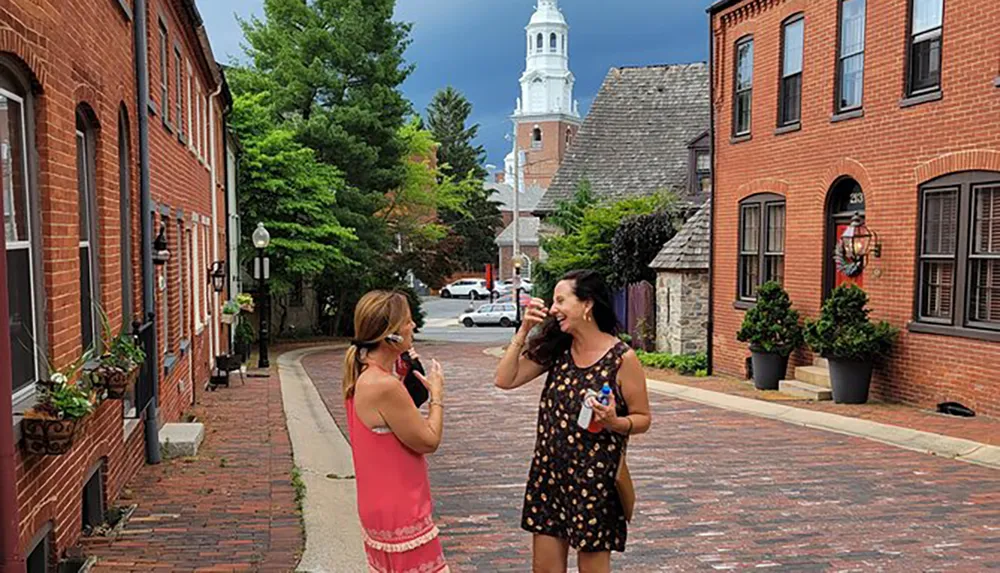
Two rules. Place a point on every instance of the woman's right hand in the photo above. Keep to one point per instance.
(534, 314)
(433, 381)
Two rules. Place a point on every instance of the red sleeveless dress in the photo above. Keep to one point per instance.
(394, 502)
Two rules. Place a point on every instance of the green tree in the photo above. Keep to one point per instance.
(447, 116)
(284, 186)
(334, 68)
(588, 231)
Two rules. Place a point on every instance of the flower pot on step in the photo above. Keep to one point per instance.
(768, 369)
(850, 380)
(44, 437)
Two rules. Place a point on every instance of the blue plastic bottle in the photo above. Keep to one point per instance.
(605, 399)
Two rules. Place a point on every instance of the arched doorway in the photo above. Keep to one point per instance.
(845, 199)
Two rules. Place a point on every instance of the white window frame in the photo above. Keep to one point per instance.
(83, 141)
(204, 268)
(199, 326)
(197, 137)
(28, 244)
(190, 116)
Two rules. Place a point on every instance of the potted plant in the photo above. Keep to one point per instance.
(118, 367)
(50, 426)
(245, 337)
(772, 330)
(850, 342)
(245, 300)
(230, 311)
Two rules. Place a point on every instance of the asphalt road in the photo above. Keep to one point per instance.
(441, 324)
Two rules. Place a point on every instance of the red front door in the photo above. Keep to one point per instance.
(840, 278)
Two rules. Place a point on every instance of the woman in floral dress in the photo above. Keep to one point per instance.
(571, 499)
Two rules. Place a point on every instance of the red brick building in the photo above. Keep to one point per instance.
(80, 173)
(888, 109)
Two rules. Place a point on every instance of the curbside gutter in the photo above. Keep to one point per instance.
(330, 514)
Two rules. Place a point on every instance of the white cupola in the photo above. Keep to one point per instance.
(547, 83)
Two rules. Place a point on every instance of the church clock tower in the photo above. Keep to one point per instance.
(547, 117)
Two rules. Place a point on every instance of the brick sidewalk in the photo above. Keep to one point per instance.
(716, 489)
(978, 429)
(232, 508)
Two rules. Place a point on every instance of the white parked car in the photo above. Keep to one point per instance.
(506, 287)
(495, 314)
(466, 288)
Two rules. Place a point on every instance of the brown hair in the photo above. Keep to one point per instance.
(378, 315)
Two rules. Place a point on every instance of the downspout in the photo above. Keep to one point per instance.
(152, 429)
(10, 557)
(228, 215)
(710, 327)
(216, 345)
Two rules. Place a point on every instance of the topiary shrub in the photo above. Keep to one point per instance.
(771, 326)
(844, 331)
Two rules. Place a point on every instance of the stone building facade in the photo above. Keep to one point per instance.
(682, 284)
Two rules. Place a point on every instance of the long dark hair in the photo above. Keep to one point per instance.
(552, 342)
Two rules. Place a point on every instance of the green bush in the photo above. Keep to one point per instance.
(844, 331)
(686, 364)
(245, 333)
(771, 326)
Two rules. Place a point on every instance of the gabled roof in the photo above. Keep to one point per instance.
(635, 138)
(503, 193)
(689, 249)
(527, 232)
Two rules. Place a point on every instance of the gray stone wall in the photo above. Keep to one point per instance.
(682, 312)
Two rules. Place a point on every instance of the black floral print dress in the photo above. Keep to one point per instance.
(571, 491)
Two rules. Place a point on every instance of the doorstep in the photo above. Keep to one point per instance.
(982, 429)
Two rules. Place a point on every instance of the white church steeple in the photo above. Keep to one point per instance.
(547, 83)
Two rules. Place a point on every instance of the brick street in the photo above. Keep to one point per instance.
(716, 490)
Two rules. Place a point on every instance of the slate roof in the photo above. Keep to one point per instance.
(503, 193)
(528, 232)
(688, 250)
(635, 138)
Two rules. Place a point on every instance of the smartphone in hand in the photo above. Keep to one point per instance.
(418, 392)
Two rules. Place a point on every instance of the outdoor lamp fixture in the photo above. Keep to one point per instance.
(218, 276)
(161, 254)
(261, 239)
(858, 241)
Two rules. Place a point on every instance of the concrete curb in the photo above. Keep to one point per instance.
(333, 532)
(906, 438)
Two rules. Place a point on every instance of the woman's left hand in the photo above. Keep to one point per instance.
(605, 415)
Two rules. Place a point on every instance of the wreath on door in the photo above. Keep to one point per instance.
(848, 265)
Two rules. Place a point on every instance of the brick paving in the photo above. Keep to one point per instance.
(982, 429)
(717, 490)
(232, 508)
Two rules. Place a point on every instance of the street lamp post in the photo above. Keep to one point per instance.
(261, 239)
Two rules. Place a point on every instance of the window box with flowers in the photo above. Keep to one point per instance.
(245, 300)
(118, 368)
(63, 403)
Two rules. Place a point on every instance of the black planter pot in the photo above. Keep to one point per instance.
(768, 369)
(850, 380)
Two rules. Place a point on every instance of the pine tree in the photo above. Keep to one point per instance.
(447, 116)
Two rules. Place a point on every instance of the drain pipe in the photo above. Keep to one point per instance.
(216, 325)
(10, 557)
(152, 429)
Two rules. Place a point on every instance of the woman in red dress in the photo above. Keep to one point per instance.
(389, 439)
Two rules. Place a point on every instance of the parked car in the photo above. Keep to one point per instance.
(507, 287)
(466, 288)
(495, 314)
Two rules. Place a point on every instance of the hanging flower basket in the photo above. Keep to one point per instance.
(115, 381)
(228, 318)
(46, 437)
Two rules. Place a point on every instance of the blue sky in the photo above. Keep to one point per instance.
(477, 46)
